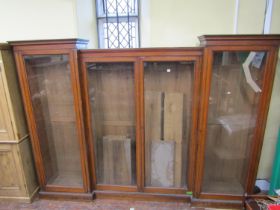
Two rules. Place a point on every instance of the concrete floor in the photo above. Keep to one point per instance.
(99, 204)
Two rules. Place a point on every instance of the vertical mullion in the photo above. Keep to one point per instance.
(137, 36)
(107, 29)
(75, 87)
(118, 27)
(138, 75)
(88, 125)
(191, 163)
(128, 23)
(203, 116)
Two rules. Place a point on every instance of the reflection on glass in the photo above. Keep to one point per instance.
(168, 102)
(51, 92)
(235, 90)
(111, 92)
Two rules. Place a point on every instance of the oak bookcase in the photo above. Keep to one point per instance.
(157, 124)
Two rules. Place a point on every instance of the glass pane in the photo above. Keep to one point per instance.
(168, 116)
(120, 8)
(118, 23)
(51, 93)
(111, 92)
(118, 33)
(231, 121)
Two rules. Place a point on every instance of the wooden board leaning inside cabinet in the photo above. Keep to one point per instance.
(168, 88)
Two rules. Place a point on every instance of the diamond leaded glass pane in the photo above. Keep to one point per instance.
(118, 23)
(120, 35)
(118, 7)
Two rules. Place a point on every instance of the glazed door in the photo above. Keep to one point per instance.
(142, 120)
(232, 120)
(52, 98)
(110, 88)
(170, 112)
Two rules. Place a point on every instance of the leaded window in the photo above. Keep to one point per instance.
(117, 23)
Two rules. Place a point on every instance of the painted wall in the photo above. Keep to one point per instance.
(86, 22)
(251, 16)
(163, 23)
(273, 120)
(37, 19)
(275, 23)
(48, 19)
(177, 23)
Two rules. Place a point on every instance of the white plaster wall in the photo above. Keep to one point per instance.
(37, 19)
